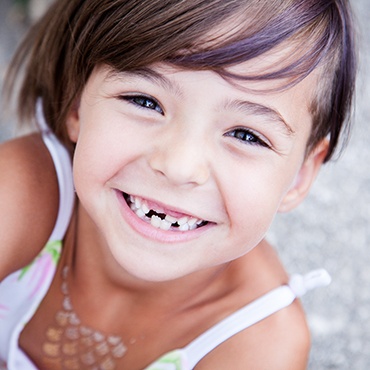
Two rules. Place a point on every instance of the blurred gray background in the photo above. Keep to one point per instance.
(330, 229)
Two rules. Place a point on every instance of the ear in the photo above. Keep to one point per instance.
(73, 122)
(305, 177)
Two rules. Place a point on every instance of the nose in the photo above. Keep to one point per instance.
(181, 162)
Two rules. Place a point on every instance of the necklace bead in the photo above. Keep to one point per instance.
(71, 345)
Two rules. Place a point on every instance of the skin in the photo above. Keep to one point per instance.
(33, 197)
(191, 164)
(178, 151)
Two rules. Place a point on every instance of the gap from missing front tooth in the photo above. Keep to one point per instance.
(162, 216)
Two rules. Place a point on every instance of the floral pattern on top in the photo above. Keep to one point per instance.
(42, 265)
(173, 360)
(20, 294)
(3, 309)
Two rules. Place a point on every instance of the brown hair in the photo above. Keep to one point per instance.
(74, 36)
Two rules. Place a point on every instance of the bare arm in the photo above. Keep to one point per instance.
(28, 201)
(280, 342)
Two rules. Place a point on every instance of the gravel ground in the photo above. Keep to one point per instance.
(330, 229)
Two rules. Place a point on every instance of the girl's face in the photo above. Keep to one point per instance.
(181, 170)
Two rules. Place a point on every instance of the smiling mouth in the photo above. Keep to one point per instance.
(159, 219)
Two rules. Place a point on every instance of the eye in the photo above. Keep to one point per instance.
(143, 101)
(248, 136)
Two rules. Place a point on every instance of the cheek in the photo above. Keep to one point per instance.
(93, 163)
(254, 197)
(252, 212)
(101, 159)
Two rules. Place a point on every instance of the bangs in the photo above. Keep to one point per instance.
(303, 42)
(63, 48)
(186, 37)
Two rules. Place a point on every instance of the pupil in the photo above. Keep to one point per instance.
(149, 104)
(246, 136)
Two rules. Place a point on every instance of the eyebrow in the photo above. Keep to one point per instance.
(244, 106)
(150, 75)
(254, 108)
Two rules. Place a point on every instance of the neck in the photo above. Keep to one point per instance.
(96, 275)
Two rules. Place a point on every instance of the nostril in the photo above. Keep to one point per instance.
(180, 166)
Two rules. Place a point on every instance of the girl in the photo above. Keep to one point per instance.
(190, 125)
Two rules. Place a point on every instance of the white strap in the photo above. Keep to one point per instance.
(252, 313)
(314, 279)
(63, 167)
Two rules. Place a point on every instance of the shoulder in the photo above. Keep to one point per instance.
(279, 342)
(28, 201)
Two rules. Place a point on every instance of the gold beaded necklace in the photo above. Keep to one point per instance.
(71, 345)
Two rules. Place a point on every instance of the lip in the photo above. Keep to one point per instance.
(150, 232)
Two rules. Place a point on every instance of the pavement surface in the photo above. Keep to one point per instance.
(329, 230)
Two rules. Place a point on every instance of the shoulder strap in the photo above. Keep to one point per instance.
(63, 167)
(252, 313)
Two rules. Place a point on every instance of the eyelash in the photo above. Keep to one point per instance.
(248, 136)
(241, 134)
(143, 102)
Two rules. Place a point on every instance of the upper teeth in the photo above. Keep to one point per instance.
(184, 223)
